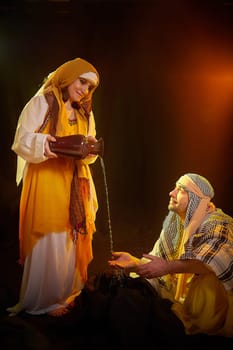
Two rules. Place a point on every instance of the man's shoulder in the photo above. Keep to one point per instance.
(217, 222)
(220, 215)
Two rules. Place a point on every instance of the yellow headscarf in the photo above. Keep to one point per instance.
(61, 78)
(68, 72)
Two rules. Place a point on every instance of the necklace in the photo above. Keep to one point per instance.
(72, 121)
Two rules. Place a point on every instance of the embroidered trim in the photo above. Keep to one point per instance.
(72, 122)
(45, 122)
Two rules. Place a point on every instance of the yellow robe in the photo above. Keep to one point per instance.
(208, 307)
(45, 198)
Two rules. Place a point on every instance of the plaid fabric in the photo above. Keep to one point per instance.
(212, 243)
(79, 190)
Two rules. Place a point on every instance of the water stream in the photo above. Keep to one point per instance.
(108, 206)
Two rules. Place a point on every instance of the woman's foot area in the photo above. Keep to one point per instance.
(63, 310)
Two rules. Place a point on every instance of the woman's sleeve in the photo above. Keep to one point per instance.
(28, 144)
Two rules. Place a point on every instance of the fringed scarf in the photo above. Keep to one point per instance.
(80, 209)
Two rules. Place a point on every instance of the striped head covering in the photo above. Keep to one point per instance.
(200, 193)
(175, 233)
(206, 235)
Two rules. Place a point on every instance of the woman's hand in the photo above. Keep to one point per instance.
(91, 139)
(47, 151)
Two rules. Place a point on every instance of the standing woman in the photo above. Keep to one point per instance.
(58, 202)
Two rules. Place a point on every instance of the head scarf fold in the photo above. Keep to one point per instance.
(175, 233)
(68, 72)
(57, 81)
(200, 194)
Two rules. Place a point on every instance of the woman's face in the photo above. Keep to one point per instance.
(79, 89)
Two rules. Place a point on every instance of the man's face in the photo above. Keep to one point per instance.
(178, 201)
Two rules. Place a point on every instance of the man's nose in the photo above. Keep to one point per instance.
(172, 192)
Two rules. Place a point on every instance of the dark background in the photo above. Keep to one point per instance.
(164, 105)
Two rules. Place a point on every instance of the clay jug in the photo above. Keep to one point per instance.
(77, 146)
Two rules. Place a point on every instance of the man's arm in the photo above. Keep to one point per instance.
(157, 267)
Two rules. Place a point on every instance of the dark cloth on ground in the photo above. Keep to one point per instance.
(131, 309)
